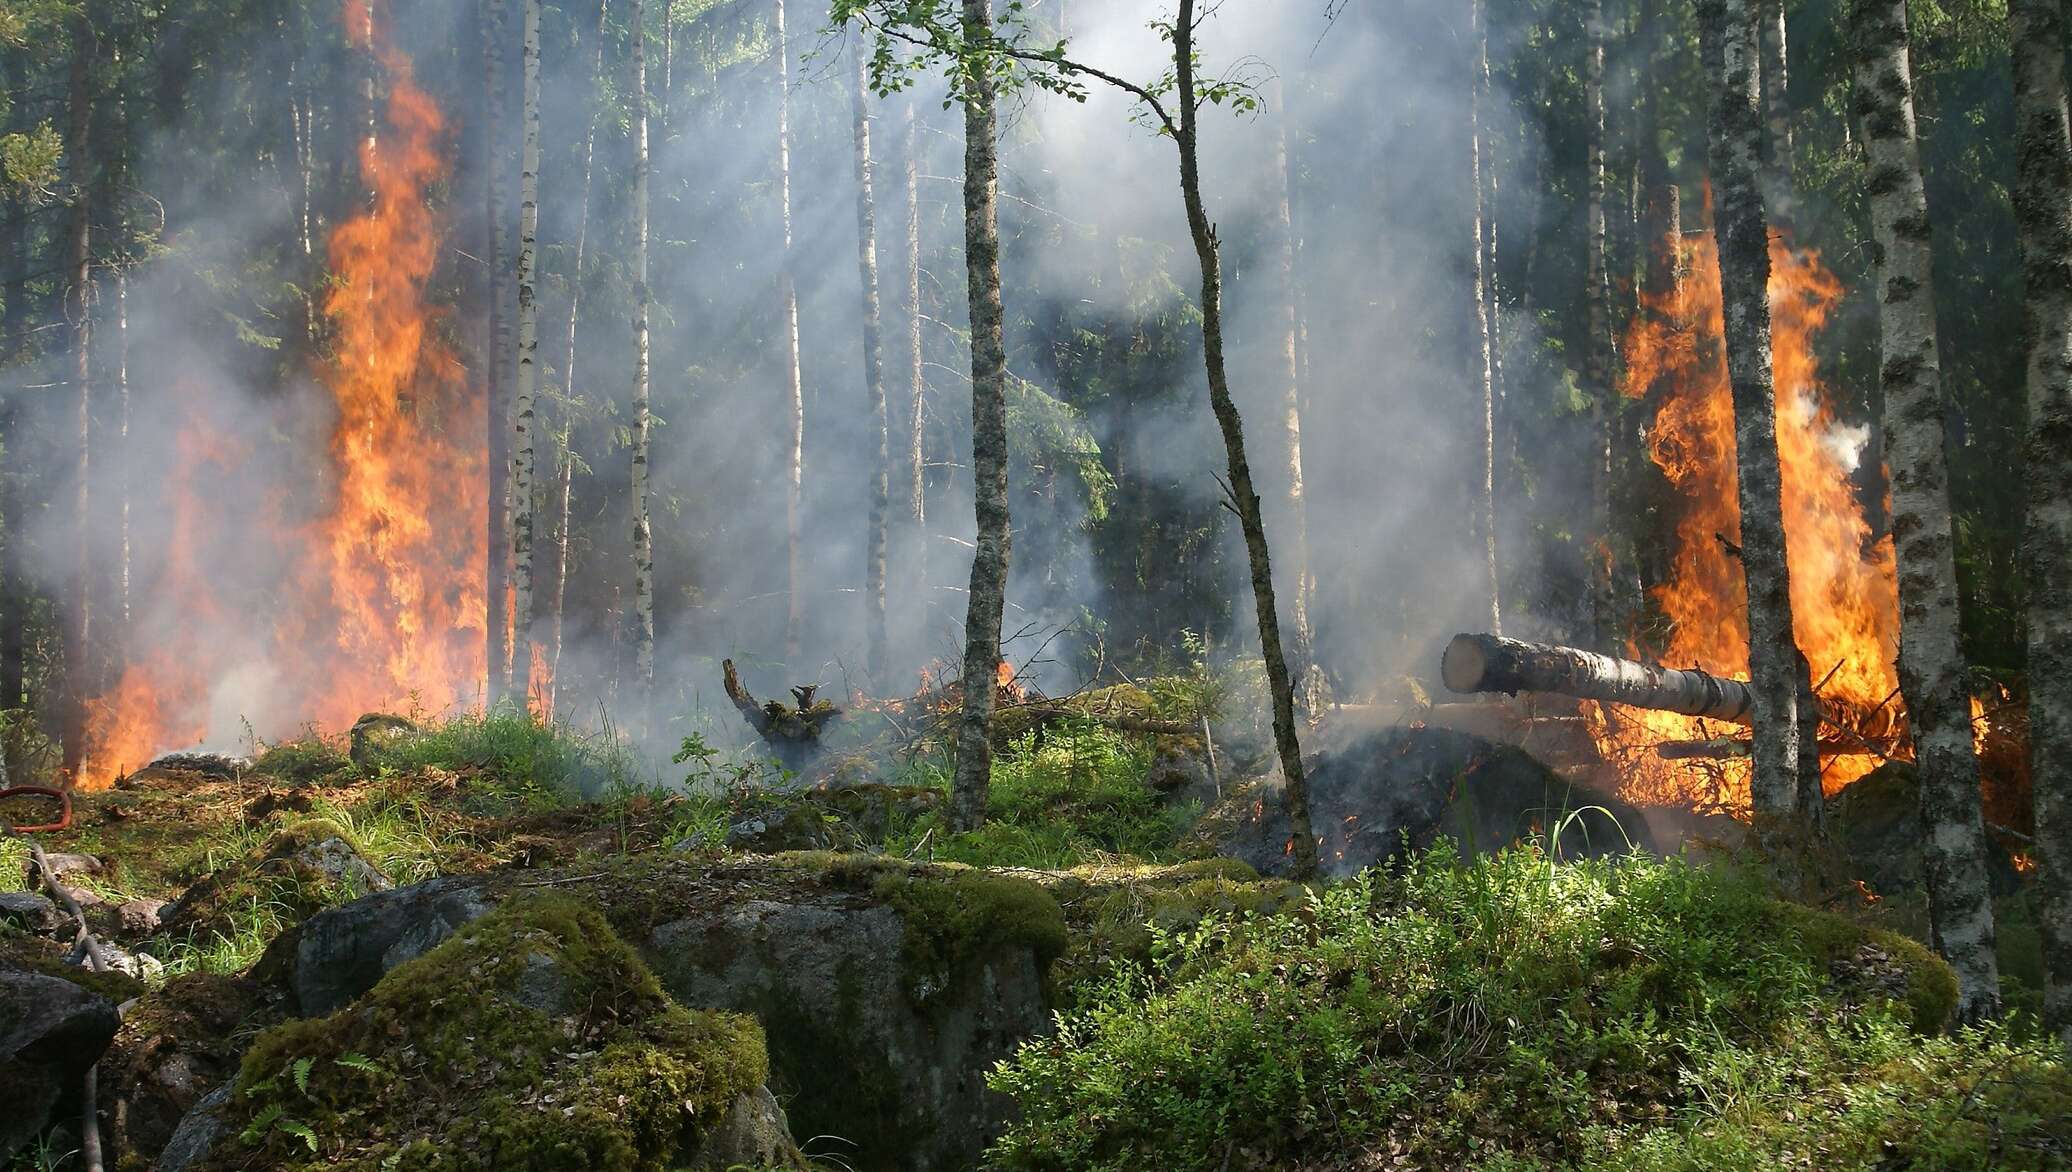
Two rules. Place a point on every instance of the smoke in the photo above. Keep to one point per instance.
(227, 457)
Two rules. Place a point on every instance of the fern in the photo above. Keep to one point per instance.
(300, 1131)
(359, 1062)
(302, 1069)
(261, 1123)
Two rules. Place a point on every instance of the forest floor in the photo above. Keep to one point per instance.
(1500, 1011)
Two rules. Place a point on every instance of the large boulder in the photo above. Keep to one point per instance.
(1874, 828)
(52, 1031)
(177, 1043)
(532, 1038)
(341, 952)
(1408, 786)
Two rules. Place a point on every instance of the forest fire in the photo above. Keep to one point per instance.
(379, 603)
(1844, 591)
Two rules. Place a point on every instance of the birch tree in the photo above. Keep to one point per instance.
(1734, 134)
(794, 395)
(1597, 341)
(522, 429)
(1483, 492)
(1287, 368)
(78, 275)
(643, 536)
(2043, 214)
(917, 385)
(1931, 663)
(495, 28)
(878, 490)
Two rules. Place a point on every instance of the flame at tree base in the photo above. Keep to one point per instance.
(379, 600)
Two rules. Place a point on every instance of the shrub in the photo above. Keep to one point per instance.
(1507, 1012)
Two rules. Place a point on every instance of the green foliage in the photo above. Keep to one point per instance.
(962, 917)
(519, 751)
(307, 760)
(1505, 1013)
(534, 1039)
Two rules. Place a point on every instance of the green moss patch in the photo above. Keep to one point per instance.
(533, 1039)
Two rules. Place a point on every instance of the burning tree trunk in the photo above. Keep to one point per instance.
(643, 536)
(989, 559)
(873, 376)
(78, 273)
(2043, 212)
(1483, 494)
(1931, 662)
(1289, 371)
(494, 29)
(522, 456)
(916, 466)
(794, 397)
(1728, 34)
(1597, 343)
(1492, 663)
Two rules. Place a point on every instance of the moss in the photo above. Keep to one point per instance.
(953, 916)
(310, 761)
(41, 957)
(534, 1039)
(1851, 952)
(275, 876)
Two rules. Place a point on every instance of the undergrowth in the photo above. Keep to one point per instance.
(1510, 1013)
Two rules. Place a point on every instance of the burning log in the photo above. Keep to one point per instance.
(793, 731)
(1492, 663)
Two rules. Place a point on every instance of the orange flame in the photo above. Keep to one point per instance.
(384, 606)
(1844, 591)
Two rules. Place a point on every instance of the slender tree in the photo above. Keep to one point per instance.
(1288, 370)
(1931, 662)
(1597, 343)
(78, 276)
(14, 587)
(2043, 213)
(917, 384)
(523, 427)
(643, 536)
(1482, 375)
(878, 490)
(565, 460)
(495, 29)
(989, 561)
(794, 394)
(1770, 46)
(1727, 33)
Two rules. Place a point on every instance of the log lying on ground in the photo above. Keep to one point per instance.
(1492, 663)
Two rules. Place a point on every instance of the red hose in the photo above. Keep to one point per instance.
(64, 798)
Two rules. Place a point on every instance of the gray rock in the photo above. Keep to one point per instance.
(377, 731)
(861, 1053)
(342, 951)
(51, 1032)
(208, 764)
(62, 864)
(754, 1134)
(335, 860)
(140, 917)
(30, 912)
(197, 1134)
(141, 965)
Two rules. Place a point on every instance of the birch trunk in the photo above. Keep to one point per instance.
(989, 560)
(1289, 370)
(1484, 491)
(879, 488)
(917, 385)
(1735, 140)
(14, 593)
(794, 396)
(1777, 188)
(1597, 344)
(2043, 213)
(1245, 500)
(495, 27)
(643, 536)
(1931, 664)
(78, 631)
(523, 456)
(564, 454)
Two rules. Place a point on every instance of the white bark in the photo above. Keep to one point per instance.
(643, 535)
(794, 396)
(523, 459)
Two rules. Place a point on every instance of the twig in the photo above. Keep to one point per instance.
(562, 880)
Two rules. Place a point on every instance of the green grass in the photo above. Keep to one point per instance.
(520, 751)
(1508, 1013)
(1069, 794)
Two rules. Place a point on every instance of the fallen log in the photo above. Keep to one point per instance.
(1492, 663)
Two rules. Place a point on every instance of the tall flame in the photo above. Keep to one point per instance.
(383, 605)
(1844, 591)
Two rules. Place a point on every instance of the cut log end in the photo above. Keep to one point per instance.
(1465, 662)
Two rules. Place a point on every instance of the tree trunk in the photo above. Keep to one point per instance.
(1244, 499)
(1777, 187)
(565, 455)
(643, 536)
(14, 593)
(1288, 368)
(2043, 213)
(1491, 663)
(989, 560)
(917, 385)
(495, 27)
(1605, 622)
(879, 488)
(1735, 139)
(1483, 493)
(1931, 662)
(523, 459)
(794, 395)
(78, 632)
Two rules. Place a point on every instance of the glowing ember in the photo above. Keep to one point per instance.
(1844, 592)
(383, 607)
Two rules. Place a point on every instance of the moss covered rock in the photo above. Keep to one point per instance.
(306, 865)
(533, 1039)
